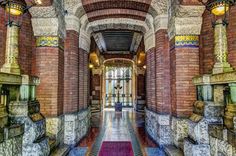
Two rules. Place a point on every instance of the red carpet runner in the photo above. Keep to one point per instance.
(116, 148)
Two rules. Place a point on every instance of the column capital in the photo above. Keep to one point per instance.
(72, 23)
(49, 20)
(184, 20)
(161, 22)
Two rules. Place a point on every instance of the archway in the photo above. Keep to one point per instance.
(118, 71)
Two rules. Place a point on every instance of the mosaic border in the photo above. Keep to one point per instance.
(47, 41)
(191, 41)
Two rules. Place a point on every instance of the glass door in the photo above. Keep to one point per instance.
(122, 77)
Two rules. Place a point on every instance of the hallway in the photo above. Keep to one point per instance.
(127, 125)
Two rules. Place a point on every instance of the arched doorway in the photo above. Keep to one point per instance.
(118, 72)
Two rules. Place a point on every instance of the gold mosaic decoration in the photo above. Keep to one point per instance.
(47, 41)
(187, 41)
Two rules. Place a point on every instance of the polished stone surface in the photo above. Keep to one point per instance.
(117, 126)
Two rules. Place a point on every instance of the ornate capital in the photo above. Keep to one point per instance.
(161, 22)
(184, 20)
(49, 21)
(72, 23)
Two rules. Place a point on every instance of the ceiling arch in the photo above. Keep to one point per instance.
(101, 9)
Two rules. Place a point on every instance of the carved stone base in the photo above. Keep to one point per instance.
(229, 115)
(179, 128)
(11, 147)
(192, 149)
(34, 140)
(158, 127)
(76, 126)
(55, 131)
(8, 68)
(222, 68)
(221, 148)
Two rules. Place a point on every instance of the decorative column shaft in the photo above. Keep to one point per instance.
(12, 51)
(221, 49)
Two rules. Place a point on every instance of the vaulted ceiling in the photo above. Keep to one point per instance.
(101, 9)
(117, 41)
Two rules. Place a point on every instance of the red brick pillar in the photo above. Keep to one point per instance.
(162, 72)
(151, 79)
(81, 78)
(86, 77)
(71, 72)
(184, 58)
(50, 69)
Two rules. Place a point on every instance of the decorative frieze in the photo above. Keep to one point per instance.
(117, 23)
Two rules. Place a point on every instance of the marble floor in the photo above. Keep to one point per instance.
(109, 125)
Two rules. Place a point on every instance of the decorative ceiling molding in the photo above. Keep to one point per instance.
(116, 12)
(117, 23)
(98, 37)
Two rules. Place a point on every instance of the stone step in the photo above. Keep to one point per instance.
(171, 150)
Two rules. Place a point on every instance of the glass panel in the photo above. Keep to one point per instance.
(118, 76)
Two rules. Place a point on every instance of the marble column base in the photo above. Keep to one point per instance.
(34, 140)
(192, 149)
(158, 127)
(179, 130)
(76, 126)
(55, 131)
(11, 147)
(221, 147)
(222, 68)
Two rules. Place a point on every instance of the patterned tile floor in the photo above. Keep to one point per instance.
(118, 126)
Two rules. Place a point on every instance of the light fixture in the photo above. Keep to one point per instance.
(139, 61)
(14, 10)
(144, 66)
(91, 65)
(218, 8)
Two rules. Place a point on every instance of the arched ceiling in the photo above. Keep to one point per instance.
(102, 9)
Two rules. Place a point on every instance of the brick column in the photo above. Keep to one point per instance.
(49, 58)
(184, 28)
(162, 72)
(184, 58)
(151, 79)
(184, 31)
(49, 68)
(71, 72)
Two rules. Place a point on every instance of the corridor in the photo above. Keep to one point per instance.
(125, 126)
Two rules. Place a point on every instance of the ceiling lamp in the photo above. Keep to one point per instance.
(218, 8)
